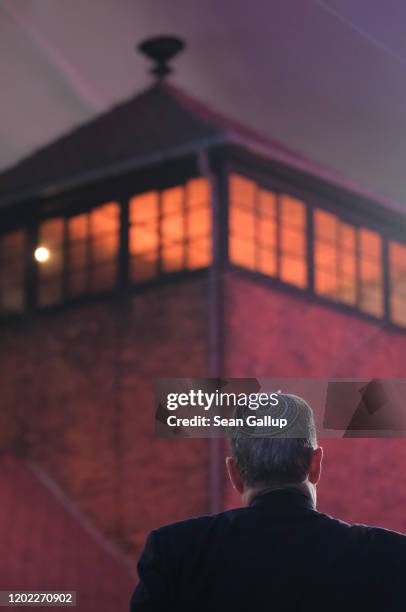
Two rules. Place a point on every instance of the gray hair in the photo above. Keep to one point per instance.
(276, 460)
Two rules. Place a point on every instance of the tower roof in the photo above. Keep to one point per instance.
(157, 124)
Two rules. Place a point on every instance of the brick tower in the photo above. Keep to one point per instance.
(162, 239)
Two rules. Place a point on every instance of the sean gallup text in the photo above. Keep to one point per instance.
(218, 421)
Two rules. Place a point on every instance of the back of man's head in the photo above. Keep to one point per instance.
(268, 458)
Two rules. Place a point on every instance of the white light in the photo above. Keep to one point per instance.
(41, 254)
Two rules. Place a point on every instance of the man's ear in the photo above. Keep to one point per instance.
(315, 465)
(234, 475)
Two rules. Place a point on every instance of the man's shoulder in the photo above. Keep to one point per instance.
(191, 527)
(371, 536)
(386, 539)
(376, 540)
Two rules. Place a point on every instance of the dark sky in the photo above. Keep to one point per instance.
(326, 78)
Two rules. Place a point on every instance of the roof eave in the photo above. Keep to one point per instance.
(117, 169)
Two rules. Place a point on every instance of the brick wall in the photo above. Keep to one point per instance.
(270, 333)
(77, 396)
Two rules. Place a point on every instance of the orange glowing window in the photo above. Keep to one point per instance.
(257, 241)
(370, 271)
(49, 255)
(77, 255)
(242, 222)
(346, 264)
(104, 240)
(144, 236)
(293, 267)
(334, 258)
(252, 226)
(78, 251)
(266, 259)
(198, 224)
(92, 250)
(170, 230)
(12, 247)
(397, 280)
(173, 229)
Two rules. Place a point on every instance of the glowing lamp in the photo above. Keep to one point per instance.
(41, 254)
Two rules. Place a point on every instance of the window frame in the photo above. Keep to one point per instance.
(345, 211)
(358, 211)
(82, 201)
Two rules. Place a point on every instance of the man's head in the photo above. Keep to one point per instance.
(258, 463)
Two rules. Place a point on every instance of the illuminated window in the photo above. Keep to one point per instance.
(255, 242)
(170, 230)
(78, 251)
(78, 255)
(242, 221)
(144, 236)
(397, 279)
(293, 267)
(370, 271)
(345, 272)
(334, 258)
(104, 238)
(12, 248)
(50, 266)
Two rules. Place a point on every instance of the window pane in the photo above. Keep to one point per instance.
(173, 227)
(293, 268)
(325, 254)
(144, 209)
(12, 247)
(253, 231)
(173, 258)
(266, 203)
(104, 246)
(198, 224)
(78, 254)
(242, 223)
(292, 241)
(346, 237)
(144, 267)
(370, 244)
(198, 193)
(325, 257)
(144, 236)
(325, 225)
(267, 232)
(242, 252)
(397, 268)
(371, 293)
(242, 191)
(267, 263)
(325, 284)
(51, 236)
(199, 253)
(334, 258)
(292, 213)
(347, 291)
(293, 271)
(242, 238)
(105, 219)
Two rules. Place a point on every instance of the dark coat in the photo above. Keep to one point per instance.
(277, 555)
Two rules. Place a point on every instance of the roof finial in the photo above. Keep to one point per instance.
(161, 49)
